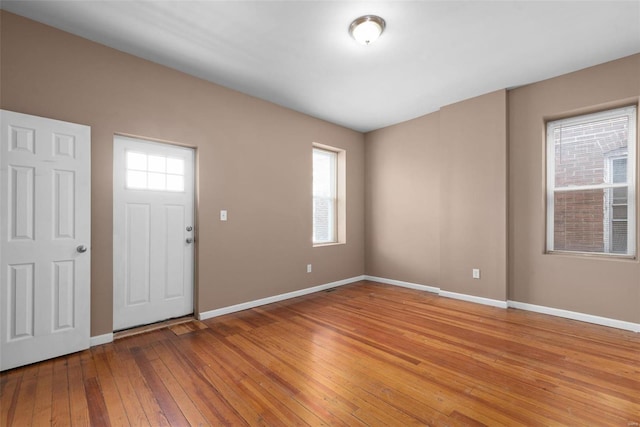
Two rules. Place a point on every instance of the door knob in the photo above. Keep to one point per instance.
(189, 228)
(189, 239)
(81, 249)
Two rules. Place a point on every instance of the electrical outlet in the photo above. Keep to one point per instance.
(475, 273)
(308, 268)
(223, 215)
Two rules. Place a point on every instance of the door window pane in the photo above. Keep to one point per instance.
(152, 172)
(157, 164)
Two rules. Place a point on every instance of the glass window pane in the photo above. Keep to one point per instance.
(579, 221)
(321, 210)
(324, 169)
(175, 166)
(175, 183)
(136, 180)
(620, 195)
(321, 174)
(156, 181)
(619, 212)
(137, 161)
(581, 151)
(157, 164)
(619, 170)
(324, 196)
(619, 237)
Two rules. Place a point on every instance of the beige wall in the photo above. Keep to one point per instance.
(473, 197)
(403, 201)
(595, 285)
(485, 189)
(436, 198)
(254, 159)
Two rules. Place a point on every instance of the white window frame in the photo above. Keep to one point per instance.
(631, 113)
(333, 197)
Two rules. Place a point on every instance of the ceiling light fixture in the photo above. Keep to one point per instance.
(366, 29)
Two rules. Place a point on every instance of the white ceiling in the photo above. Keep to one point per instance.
(299, 54)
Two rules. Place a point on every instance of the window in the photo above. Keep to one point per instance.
(325, 200)
(591, 183)
(150, 172)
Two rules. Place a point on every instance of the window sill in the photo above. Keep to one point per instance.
(599, 255)
(321, 245)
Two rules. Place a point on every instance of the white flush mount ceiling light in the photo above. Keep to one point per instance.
(366, 29)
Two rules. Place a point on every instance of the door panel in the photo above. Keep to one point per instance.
(152, 211)
(64, 202)
(138, 249)
(21, 301)
(174, 258)
(21, 202)
(64, 286)
(45, 189)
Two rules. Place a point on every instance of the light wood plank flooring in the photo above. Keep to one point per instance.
(362, 354)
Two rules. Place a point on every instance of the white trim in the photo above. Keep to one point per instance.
(101, 339)
(403, 284)
(598, 115)
(550, 162)
(589, 318)
(473, 298)
(604, 321)
(256, 303)
(632, 177)
(605, 186)
(440, 292)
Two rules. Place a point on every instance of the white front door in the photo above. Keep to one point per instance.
(45, 231)
(153, 232)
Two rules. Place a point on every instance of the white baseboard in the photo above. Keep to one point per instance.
(475, 299)
(256, 303)
(604, 321)
(403, 284)
(101, 339)
(589, 318)
(447, 294)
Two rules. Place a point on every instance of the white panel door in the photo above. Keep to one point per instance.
(153, 232)
(45, 231)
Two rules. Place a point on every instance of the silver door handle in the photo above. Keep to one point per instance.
(189, 239)
(81, 249)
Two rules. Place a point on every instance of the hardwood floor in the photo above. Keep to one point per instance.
(363, 354)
